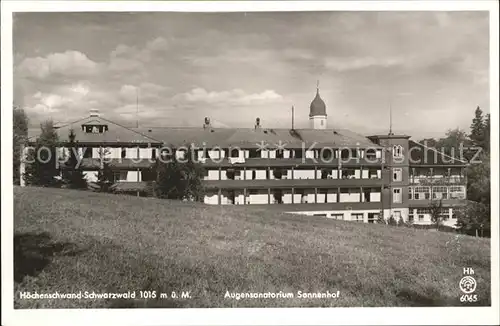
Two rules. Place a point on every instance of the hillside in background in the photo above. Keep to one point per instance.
(71, 241)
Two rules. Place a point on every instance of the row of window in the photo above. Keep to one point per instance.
(279, 173)
(421, 213)
(357, 217)
(325, 155)
(436, 192)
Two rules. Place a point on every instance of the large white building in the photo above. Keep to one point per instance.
(333, 173)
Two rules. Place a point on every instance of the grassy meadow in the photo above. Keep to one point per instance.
(70, 241)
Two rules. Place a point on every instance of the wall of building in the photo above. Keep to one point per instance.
(318, 122)
(259, 196)
(421, 216)
(345, 215)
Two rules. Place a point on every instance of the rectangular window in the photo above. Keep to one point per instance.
(397, 174)
(357, 217)
(445, 214)
(439, 192)
(396, 195)
(337, 216)
(457, 192)
(254, 153)
(397, 151)
(421, 193)
(373, 173)
(119, 176)
(410, 193)
(421, 211)
(372, 217)
(348, 173)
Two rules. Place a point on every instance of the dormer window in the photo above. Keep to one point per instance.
(94, 128)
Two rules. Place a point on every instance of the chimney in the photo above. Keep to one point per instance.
(207, 123)
(257, 123)
(94, 113)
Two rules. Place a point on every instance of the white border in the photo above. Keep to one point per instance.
(238, 316)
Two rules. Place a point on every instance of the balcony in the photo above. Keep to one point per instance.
(437, 180)
(289, 162)
(292, 183)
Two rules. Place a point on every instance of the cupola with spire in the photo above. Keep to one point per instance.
(317, 113)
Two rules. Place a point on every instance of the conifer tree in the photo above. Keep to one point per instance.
(73, 175)
(477, 134)
(20, 133)
(41, 166)
(105, 174)
(179, 180)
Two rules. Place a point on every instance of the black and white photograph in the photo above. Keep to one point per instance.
(192, 155)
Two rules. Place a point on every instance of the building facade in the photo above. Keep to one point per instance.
(334, 173)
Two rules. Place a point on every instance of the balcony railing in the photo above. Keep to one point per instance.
(435, 180)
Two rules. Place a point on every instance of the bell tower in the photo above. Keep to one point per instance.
(317, 112)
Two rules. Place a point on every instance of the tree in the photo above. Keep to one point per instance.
(453, 141)
(429, 142)
(487, 130)
(477, 133)
(20, 134)
(474, 219)
(42, 167)
(450, 144)
(436, 211)
(392, 221)
(105, 174)
(179, 180)
(478, 180)
(73, 175)
(401, 222)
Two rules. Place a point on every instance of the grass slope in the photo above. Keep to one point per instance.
(70, 241)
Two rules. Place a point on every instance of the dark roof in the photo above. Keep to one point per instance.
(423, 155)
(250, 137)
(116, 133)
(388, 136)
(318, 106)
(210, 137)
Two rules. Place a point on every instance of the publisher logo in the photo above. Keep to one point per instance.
(468, 284)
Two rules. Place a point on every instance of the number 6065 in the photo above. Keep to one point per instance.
(468, 298)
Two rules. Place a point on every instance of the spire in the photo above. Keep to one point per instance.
(317, 107)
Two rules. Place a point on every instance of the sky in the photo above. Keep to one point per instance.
(432, 68)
